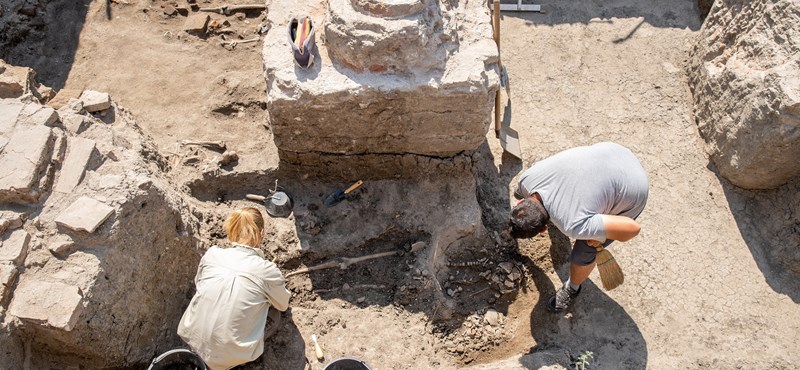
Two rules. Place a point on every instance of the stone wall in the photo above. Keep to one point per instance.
(744, 74)
(97, 252)
(390, 79)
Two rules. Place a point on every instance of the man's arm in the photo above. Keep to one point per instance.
(620, 227)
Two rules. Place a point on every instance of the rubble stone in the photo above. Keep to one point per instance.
(85, 214)
(10, 220)
(60, 246)
(196, 23)
(63, 97)
(22, 160)
(56, 305)
(15, 81)
(492, 317)
(745, 82)
(37, 115)
(8, 272)
(14, 247)
(95, 101)
(75, 123)
(9, 110)
(79, 151)
(45, 93)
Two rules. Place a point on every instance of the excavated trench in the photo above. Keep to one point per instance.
(433, 219)
(440, 253)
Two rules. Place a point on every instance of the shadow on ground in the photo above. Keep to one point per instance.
(596, 323)
(47, 41)
(663, 14)
(285, 350)
(769, 221)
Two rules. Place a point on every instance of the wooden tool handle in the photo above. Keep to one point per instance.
(317, 349)
(259, 198)
(496, 34)
(354, 186)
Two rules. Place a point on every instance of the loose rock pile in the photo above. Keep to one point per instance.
(93, 240)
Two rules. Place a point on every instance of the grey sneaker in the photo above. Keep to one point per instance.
(563, 298)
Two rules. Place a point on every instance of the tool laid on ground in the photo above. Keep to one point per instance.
(520, 7)
(230, 9)
(278, 202)
(342, 263)
(345, 262)
(317, 348)
(509, 138)
(218, 146)
(340, 195)
(230, 45)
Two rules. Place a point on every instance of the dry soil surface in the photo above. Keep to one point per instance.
(699, 292)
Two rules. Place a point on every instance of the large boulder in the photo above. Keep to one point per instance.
(745, 77)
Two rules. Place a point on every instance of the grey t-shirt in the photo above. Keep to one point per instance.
(579, 184)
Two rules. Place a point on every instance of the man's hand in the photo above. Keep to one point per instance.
(594, 243)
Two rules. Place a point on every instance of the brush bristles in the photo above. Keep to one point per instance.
(610, 272)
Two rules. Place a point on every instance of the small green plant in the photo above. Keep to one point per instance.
(583, 360)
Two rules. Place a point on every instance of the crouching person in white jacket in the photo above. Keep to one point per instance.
(236, 286)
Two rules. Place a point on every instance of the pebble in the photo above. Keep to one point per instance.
(361, 299)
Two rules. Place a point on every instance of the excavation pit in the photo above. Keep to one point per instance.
(418, 245)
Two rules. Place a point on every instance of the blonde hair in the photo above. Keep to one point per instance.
(244, 226)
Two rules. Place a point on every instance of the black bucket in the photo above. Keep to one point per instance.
(178, 359)
(346, 363)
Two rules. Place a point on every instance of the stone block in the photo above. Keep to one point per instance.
(23, 160)
(15, 81)
(45, 93)
(75, 123)
(382, 101)
(37, 115)
(8, 272)
(9, 111)
(14, 247)
(79, 151)
(85, 214)
(196, 23)
(55, 305)
(744, 78)
(95, 101)
(10, 220)
(63, 97)
(60, 246)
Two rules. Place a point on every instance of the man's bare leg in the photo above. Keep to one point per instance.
(578, 273)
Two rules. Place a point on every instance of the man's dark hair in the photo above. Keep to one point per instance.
(528, 219)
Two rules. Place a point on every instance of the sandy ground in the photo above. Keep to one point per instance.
(700, 291)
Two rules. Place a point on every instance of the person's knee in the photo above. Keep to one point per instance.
(582, 259)
(582, 254)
